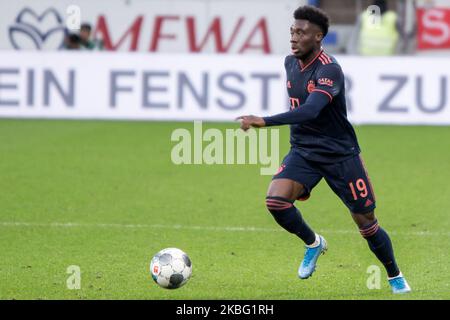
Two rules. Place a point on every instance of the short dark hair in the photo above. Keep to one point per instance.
(313, 15)
(74, 38)
(86, 26)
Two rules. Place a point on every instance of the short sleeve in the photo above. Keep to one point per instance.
(330, 80)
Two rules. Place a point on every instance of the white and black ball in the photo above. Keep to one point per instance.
(171, 268)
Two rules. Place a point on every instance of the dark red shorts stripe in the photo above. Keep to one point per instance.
(368, 178)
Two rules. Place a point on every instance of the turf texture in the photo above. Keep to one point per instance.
(105, 196)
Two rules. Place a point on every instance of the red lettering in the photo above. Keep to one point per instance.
(157, 33)
(261, 26)
(215, 30)
(133, 31)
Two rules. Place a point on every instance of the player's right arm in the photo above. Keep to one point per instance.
(329, 83)
(307, 111)
(312, 107)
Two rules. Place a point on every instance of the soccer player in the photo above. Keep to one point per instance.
(323, 145)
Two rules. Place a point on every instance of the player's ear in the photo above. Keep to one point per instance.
(319, 36)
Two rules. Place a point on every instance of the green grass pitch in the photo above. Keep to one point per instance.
(115, 183)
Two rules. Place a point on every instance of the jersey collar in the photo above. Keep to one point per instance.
(303, 68)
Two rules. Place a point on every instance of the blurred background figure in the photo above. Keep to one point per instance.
(377, 32)
(72, 42)
(87, 43)
(82, 40)
(85, 37)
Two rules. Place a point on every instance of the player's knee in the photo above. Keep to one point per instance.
(276, 204)
(364, 219)
(369, 230)
(367, 224)
(285, 188)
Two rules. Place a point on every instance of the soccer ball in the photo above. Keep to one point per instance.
(171, 268)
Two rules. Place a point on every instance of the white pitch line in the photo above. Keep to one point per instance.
(200, 228)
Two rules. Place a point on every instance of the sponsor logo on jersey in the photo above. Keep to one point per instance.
(325, 82)
(295, 102)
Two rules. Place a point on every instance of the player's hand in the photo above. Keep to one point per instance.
(251, 121)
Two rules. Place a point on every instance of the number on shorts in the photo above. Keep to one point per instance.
(361, 187)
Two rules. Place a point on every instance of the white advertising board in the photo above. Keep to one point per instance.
(175, 26)
(101, 85)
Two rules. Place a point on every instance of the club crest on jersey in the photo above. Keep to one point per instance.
(325, 82)
(289, 85)
(310, 87)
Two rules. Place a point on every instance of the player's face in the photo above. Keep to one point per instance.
(305, 36)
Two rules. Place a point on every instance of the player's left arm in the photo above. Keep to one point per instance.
(329, 83)
(329, 80)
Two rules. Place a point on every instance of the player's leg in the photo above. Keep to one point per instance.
(378, 240)
(280, 202)
(295, 180)
(280, 197)
(350, 181)
(380, 244)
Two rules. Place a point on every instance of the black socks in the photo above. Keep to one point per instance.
(380, 244)
(288, 217)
